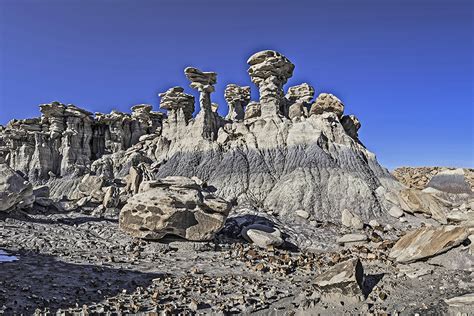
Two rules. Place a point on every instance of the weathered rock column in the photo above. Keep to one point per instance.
(204, 83)
(270, 70)
(180, 105)
(298, 98)
(237, 98)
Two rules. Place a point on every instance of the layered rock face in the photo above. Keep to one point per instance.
(283, 153)
(66, 139)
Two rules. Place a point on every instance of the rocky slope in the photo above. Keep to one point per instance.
(420, 177)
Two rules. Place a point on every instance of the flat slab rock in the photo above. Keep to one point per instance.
(350, 238)
(346, 278)
(427, 242)
(461, 301)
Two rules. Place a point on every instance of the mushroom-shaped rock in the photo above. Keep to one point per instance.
(200, 80)
(203, 82)
(145, 120)
(237, 98)
(351, 125)
(270, 70)
(327, 102)
(177, 103)
(173, 206)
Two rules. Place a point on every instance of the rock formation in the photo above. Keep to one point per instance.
(237, 98)
(281, 206)
(67, 139)
(270, 70)
(280, 157)
(180, 106)
(204, 82)
(327, 102)
(14, 190)
(351, 125)
(298, 98)
(173, 206)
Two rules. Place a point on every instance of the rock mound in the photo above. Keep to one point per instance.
(173, 206)
(283, 153)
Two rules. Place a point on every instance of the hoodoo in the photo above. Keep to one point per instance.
(285, 152)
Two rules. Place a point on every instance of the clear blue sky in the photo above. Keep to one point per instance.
(405, 68)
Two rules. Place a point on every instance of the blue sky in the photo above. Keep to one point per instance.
(405, 68)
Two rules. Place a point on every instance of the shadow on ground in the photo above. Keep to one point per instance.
(40, 281)
(370, 281)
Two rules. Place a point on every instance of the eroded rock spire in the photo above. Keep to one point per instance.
(204, 82)
(270, 70)
(179, 105)
(237, 98)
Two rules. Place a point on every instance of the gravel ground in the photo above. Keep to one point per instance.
(73, 263)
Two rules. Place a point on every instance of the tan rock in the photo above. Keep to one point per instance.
(415, 201)
(327, 102)
(427, 242)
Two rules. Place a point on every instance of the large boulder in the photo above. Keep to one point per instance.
(173, 206)
(14, 190)
(427, 242)
(262, 235)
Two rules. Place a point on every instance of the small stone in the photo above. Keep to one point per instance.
(302, 214)
(351, 220)
(374, 224)
(395, 211)
(194, 306)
